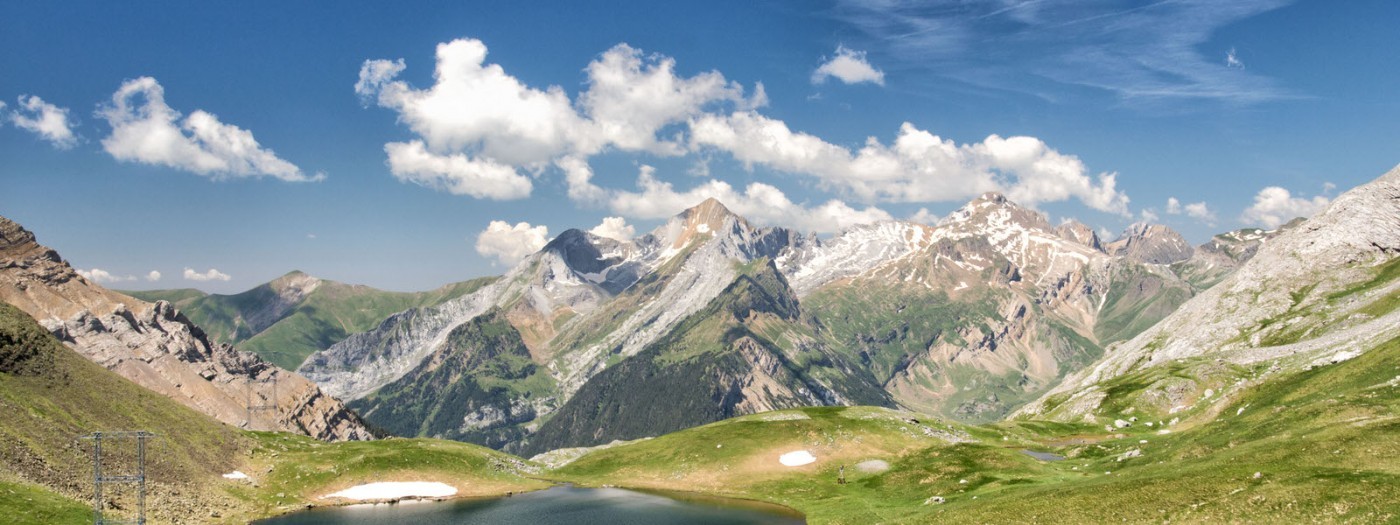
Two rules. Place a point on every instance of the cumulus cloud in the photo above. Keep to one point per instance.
(153, 276)
(213, 274)
(455, 173)
(99, 275)
(46, 120)
(923, 216)
(918, 167)
(614, 228)
(146, 130)
(509, 244)
(848, 66)
(1149, 215)
(489, 121)
(1173, 206)
(1196, 210)
(1273, 206)
(758, 202)
(486, 134)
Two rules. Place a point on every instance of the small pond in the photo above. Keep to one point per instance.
(561, 505)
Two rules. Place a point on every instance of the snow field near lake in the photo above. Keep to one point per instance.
(385, 490)
(796, 458)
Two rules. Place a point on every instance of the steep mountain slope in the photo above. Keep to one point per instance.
(1322, 292)
(50, 395)
(158, 348)
(973, 316)
(749, 350)
(969, 318)
(296, 314)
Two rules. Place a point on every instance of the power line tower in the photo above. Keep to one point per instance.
(267, 403)
(101, 478)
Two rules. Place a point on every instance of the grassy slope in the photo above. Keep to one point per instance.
(49, 395)
(46, 406)
(329, 314)
(1325, 442)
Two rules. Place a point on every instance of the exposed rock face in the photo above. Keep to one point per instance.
(1304, 298)
(156, 347)
(1081, 233)
(1150, 243)
(970, 317)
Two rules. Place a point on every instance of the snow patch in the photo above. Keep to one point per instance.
(386, 490)
(235, 475)
(796, 458)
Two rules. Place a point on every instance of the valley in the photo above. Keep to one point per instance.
(1252, 379)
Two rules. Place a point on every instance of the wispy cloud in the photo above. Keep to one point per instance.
(46, 120)
(1149, 52)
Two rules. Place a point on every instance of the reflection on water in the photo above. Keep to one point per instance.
(1043, 456)
(556, 506)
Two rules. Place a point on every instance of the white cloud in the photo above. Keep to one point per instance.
(99, 275)
(918, 167)
(631, 97)
(153, 276)
(761, 203)
(455, 173)
(850, 67)
(1196, 210)
(1149, 215)
(212, 275)
(1274, 206)
(489, 121)
(482, 130)
(145, 130)
(46, 120)
(923, 216)
(509, 244)
(1233, 61)
(1199, 210)
(614, 228)
(1173, 206)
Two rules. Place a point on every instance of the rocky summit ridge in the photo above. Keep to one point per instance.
(969, 317)
(1318, 292)
(155, 346)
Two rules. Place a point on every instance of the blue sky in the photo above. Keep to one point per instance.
(225, 144)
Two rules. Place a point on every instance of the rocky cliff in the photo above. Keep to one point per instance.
(155, 346)
(1319, 292)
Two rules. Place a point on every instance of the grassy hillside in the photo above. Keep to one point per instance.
(256, 320)
(50, 395)
(1325, 445)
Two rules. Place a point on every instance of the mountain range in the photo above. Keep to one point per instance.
(593, 339)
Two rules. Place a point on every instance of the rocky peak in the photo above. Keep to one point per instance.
(707, 218)
(993, 211)
(1150, 243)
(1081, 233)
(156, 347)
(295, 285)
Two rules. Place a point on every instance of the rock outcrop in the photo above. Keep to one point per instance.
(156, 347)
(1317, 291)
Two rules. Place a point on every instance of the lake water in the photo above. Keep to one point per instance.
(556, 506)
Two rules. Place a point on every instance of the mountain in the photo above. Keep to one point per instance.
(295, 315)
(969, 318)
(1318, 293)
(50, 395)
(157, 347)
